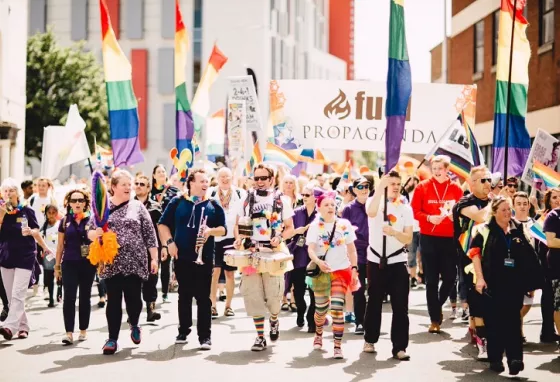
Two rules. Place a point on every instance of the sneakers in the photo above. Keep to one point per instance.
(413, 283)
(300, 321)
(181, 339)
(434, 328)
(67, 339)
(453, 314)
(497, 367)
(101, 303)
(401, 356)
(349, 318)
(274, 330)
(338, 353)
(110, 347)
(165, 299)
(369, 347)
(152, 315)
(482, 348)
(82, 336)
(228, 312)
(259, 345)
(465, 315)
(206, 344)
(214, 313)
(23, 334)
(136, 335)
(359, 330)
(516, 366)
(318, 342)
(6, 333)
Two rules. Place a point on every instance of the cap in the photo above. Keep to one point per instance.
(360, 180)
(496, 178)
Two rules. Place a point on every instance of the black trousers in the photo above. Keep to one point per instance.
(360, 295)
(503, 326)
(392, 280)
(3, 295)
(439, 259)
(547, 310)
(149, 287)
(194, 282)
(298, 280)
(48, 279)
(165, 275)
(77, 274)
(117, 286)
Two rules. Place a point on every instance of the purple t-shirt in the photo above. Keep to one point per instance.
(552, 224)
(16, 250)
(75, 235)
(355, 213)
(301, 219)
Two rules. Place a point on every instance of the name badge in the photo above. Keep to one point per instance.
(301, 241)
(510, 263)
(19, 220)
(84, 250)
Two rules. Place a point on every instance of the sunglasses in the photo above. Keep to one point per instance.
(484, 180)
(261, 178)
(77, 200)
(513, 185)
(306, 195)
(500, 187)
(140, 184)
(362, 186)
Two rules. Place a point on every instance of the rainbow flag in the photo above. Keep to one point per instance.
(184, 124)
(277, 155)
(313, 156)
(519, 144)
(123, 106)
(399, 85)
(549, 177)
(537, 230)
(256, 158)
(201, 101)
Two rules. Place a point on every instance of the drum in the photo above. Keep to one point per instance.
(245, 225)
(273, 262)
(235, 258)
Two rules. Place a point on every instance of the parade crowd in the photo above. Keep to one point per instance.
(351, 246)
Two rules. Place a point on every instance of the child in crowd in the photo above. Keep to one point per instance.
(49, 230)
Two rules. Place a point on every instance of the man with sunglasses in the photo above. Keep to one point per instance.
(149, 287)
(468, 212)
(355, 213)
(271, 217)
(512, 185)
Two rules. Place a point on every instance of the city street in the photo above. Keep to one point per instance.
(444, 357)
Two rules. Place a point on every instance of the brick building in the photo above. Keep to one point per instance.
(472, 55)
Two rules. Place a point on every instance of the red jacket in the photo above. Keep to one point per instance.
(426, 202)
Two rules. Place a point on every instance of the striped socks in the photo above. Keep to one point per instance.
(259, 325)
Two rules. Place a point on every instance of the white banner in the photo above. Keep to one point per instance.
(546, 150)
(237, 128)
(350, 115)
(242, 88)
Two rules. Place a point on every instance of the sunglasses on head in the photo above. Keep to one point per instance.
(513, 185)
(261, 178)
(306, 195)
(484, 180)
(140, 184)
(362, 186)
(81, 200)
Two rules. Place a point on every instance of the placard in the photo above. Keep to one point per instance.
(546, 150)
(242, 88)
(237, 128)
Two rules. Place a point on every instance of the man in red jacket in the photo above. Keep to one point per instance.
(432, 203)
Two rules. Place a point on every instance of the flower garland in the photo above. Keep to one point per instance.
(324, 235)
(15, 210)
(275, 223)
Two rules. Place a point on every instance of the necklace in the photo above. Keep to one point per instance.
(324, 235)
(15, 209)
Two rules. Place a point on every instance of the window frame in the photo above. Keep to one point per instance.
(544, 13)
(477, 46)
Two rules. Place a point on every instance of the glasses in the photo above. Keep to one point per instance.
(500, 186)
(513, 185)
(140, 184)
(77, 200)
(261, 178)
(362, 186)
(306, 195)
(484, 180)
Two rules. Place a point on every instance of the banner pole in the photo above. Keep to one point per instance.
(509, 91)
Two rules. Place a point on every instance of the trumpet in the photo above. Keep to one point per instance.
(200, 236)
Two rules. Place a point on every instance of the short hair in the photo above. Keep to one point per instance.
(394, 174)
(548, 196)
(26, 183)
(444, 159)
(224, 169)
(476, 169)
(141, 175)
(512, 179)
(496, 202)
(264, 166)
(116, 178)
(192, 175)
(520, 194)
(11, 183)
(45, 179)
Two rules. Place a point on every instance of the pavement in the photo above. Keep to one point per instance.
(443, 357)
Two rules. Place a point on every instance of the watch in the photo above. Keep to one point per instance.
(169, 241)
(355, 267)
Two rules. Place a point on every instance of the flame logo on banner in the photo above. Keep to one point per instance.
(338, 107)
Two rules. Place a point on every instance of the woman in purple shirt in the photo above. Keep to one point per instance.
(18, 232)
(72, 252)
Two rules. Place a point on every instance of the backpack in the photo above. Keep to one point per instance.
(237, 190)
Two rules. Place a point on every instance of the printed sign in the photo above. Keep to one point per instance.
(545, 149)
(242, 88)
(237, 128)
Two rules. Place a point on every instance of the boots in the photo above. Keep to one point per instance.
(152, 314)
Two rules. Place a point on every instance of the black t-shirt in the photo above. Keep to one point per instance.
(552, 224)
(462, 225)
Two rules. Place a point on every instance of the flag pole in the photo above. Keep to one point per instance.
(508, 105)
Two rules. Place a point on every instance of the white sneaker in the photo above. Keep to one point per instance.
(481, 344)
(453, 314)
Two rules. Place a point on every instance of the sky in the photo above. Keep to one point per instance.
(424, 30)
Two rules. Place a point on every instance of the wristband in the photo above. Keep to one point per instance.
(355, 267)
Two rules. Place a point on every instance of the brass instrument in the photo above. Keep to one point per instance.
(199, 236)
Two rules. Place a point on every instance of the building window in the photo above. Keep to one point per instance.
(167, 13)
(546, 24)
(135, 19)
(197, 44)
(37, 17)
(166, 82)
(79, 20)
(495, 31)
(169, 126)
(479, 47)
(273, 57)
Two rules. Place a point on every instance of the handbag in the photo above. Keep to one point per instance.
(312, 269)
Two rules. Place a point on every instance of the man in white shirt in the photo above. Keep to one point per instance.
(231, 199)
(387, 267)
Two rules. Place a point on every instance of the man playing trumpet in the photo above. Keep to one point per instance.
(184, 237)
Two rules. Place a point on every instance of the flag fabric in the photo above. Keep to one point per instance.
(184, 124)
(314, 156)
(519, 140)
(347, 173)
(460, 145)
(277, 155)
(537, 230)
(123, 106)
(549, 177)
(399, 85)
(201, 101)
(256, 158)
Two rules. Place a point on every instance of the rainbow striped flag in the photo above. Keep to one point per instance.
(201, 101)
(256, 158)
(549, 177)
(277, 155)
(399, 85)
(537, 230)
(519, 145)
(184, 124)
(123, 106)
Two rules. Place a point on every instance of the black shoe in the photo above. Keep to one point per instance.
(359, 330)
(274, 330)
(51, 304)
(516, 366)
(181, 339)
(549, 338)
(498, 367)
(259, 345)
(222, 297)
(101, 304)
(300, 322)
(413, 283)
(524, 340)
(311, 329)
(152, 314)
(4, 314)
(6, 333)
(206, 344)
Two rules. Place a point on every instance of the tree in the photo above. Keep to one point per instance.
(58, 77)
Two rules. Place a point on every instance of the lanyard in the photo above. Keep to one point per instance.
(507, 239)
(440, 200)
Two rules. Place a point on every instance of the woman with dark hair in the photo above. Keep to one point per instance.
(72, 262)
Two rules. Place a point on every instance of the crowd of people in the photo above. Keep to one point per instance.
(349, 245)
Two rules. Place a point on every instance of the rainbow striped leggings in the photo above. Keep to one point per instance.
(335, 300)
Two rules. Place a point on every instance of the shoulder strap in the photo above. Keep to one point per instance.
(331, 237)
(31, 201)
(213, 194)
(116, 208)
(238, 192)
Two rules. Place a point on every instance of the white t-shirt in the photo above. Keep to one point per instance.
(39, 205)
(235, 205)
(51, 237)
(261, 228)
(319, 233)
(400, 216)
